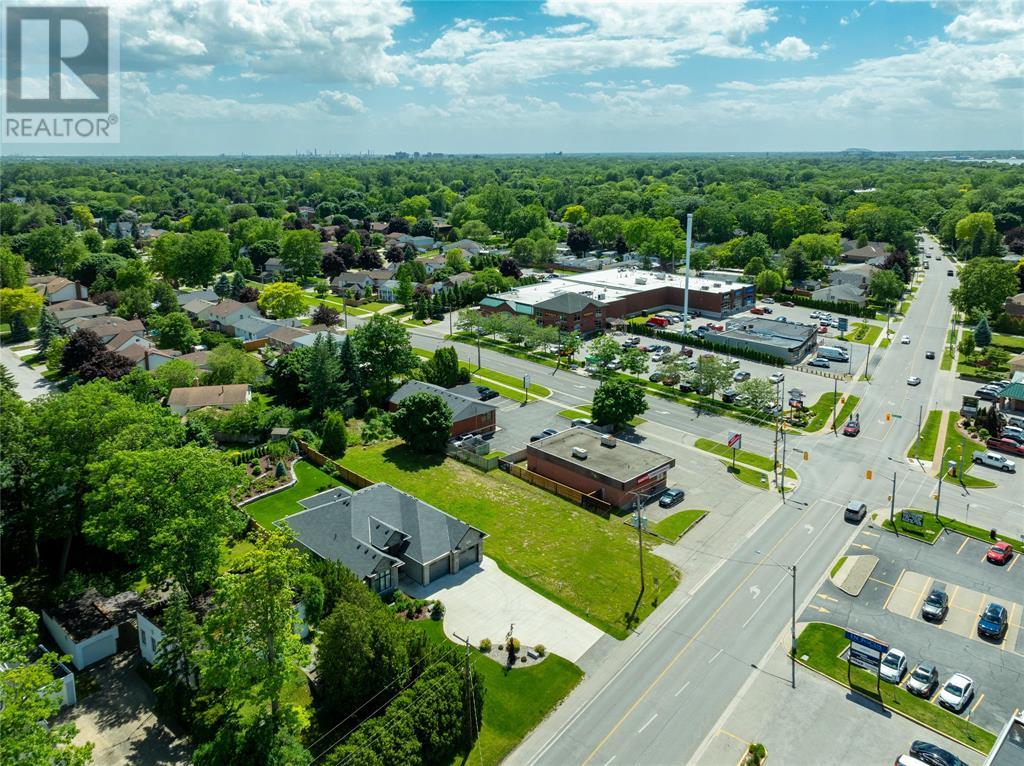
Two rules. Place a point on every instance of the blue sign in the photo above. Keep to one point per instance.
(844, 323)
(870, 643)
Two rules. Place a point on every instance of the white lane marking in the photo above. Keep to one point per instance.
(610, 760)
(717, 654)
(754, 591)
(641, 730)
(809, 528)
(681, 689)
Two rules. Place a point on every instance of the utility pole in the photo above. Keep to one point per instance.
(479, 364)
(892, 506)
(470, 701)
(835, 400)
(640, 542)
(942, 475)
(792, 632)
(778, 418)
(686, 274)
(867, 365)
(782, 481)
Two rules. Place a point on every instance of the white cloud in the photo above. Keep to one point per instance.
(569, 29)
(790, 49)
(337, 102)
(988, 21)
(637, 99)
(853, 16)
(464, 38)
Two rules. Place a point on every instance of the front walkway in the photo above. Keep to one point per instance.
(481, 602)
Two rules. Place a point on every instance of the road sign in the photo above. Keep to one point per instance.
(865, 652)
(866, 641)
(735, 440)
(844, 323)
(526, 380)
(917, 519)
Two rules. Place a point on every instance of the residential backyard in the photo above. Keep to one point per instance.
(575, 558)
(310, 480)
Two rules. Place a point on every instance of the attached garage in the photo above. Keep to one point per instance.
(439, 569)
(469, 556)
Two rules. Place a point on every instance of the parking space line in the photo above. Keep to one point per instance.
(966, 539)
(828, 598)
(862, 546)
(1012, 562)
(938, 690)
(894, 589)
(920, 598)
(882, 582)
(977, 703)
(730, 734)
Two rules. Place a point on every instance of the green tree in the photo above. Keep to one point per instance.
(176, 332)
(384, 349)
(985, 284)
(55, 352)
(713, 222)
(176, 657)
(334, 439)
(168, 510)
(282, 300)
(966, 346)
(300, 252)
(885, 287)
(424, 422)
(634, 361)
(616, 402)
(232, 365)
(404, 291)
(711, 375)
(13, 270)
(982, 334)
(21, 300)
(323, 380)
(251, 650)
(443, 368)
(604, 349)
(177, 373)
(768, 282)
(222, 287)
(19, 330)
(200, 255)
(967, 226)
(797, 268)
(760, 392)
(575, 214)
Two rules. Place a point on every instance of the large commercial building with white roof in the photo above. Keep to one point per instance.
(585, 302)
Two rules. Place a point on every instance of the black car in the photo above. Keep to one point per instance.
(988, 394)
(929, 354)
(993, 622)
(486, 393)
(671, 497)
(933, 754)
(544, 434)
(936, 606)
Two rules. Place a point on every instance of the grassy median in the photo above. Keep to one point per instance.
(924, 449)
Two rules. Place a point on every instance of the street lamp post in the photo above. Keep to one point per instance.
(942, 475)
(791, 569)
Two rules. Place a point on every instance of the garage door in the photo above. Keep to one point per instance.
(439, 569)
(467, 557)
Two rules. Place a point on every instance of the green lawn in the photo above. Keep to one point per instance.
(335, 303)
(583, 411)
(847, 409)
(374, 306)
(837, 566)
(925, 448)
(508, 386)
(958, 446)
(862, 332)
(823, 644)
(269, 509)
(675, 526)
(529, 529)
(748, 475)
(821, 411)
(1012, 343)
(766, 464)
(885, 343)
(514, 702)
(947, 360)
(928, 531)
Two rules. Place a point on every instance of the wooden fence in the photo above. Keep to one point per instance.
(590, 503)
(483, 462)
(319, 459)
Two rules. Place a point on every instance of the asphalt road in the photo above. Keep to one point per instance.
(30, 384)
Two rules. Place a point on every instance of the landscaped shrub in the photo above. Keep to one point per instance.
(437, 611)
(485, 645)
(539, 648)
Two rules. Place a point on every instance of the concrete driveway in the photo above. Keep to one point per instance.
(30, 383)
(120, 721)
(481, 602)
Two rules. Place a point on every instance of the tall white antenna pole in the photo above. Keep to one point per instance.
(686, 276)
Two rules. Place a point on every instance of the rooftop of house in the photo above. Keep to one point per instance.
(198, 358)
(288, 334)
(139, 351)
(196, 305)
(622, 463)
(209, 396)
(462, 406)
(91, 613)
(355, 529)
(207, 295)
(111, 323)
(229, 306)
(74, 305)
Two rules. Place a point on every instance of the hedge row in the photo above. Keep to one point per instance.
(841, 307)
(697, 342)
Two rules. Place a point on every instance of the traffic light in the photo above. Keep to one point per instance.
(888, 417)
(806, 455)
(867, 474)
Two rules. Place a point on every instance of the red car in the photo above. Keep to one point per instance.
(1005, 445)
(1000, 553)
(756, 310)
(822, 330)
(851, 429)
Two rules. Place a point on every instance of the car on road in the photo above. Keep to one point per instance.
(787, 304)
(819, 361)
(957, 692)
(855, 511)
(993, 622)
(740, 375)
(757, 311)
(1005, 445)
(923, 679)
(486, 393)
(905, 340)
(933, 755)
(893, 667)
(580, 422)
(776, 377)
(936, 606)
(913, 380)
(929, 354)
(999, 553)
(851, 429)
(671, 496)
(992, 460)
(949, 272)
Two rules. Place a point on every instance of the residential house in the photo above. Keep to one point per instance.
(380, 533)
(108, 327)
(148, 358)
(434, 263)
(847, 293)
(124, 340)
(469, 414)
(274, 266)
(65, 311)
(254, 328)
(194, 308)
(57, 289)
(184, 400)
(87, 628)
(306, 212)
(376, 227)
(869, 252)
(423, 243)
(458, 279)
(148, 232)
(65, 694)
(224, 315)
(380, 276)
(386, 291)
(184, 297)
(444, 229)
(120, 229)
(467, 246)
(858, 275)
(283, 338)
(1015, 306)
(351, 280)
(198, 358)
(308, 339)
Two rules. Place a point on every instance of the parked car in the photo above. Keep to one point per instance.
(852, 428)
(729, 394)
(957, 692)
(486, 393)
(822, 330)
(740, 375)
(776, 377)
(993, 622)
(1000, 553)
(905, 340)
(669, 379)
(671, 496)
(933, 755)
(686, 386)
(893, 667)
(767, 309)
(988, 393)
(686, 351)
(992, 460)
(855, 511)
(936, 606)
(949, 272)
(580, 422)
(767, 300)
(923, 679)
(929, 354)
(787, 304)
(654, 377)
(757, 311)
(913, 380)
(657, 356)
(614, 364)
(1005, 445)
(815, 314)
(819, 361)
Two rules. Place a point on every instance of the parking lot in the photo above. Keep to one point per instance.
(889, 608)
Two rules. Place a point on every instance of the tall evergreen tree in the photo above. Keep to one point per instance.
(350, 366)
(222, 286)
(47, 328)
(237, 284)
(982, 334)
(324, 383)
(19, 330)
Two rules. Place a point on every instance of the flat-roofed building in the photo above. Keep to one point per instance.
(788, 341)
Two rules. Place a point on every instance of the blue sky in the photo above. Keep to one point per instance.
(567, 75)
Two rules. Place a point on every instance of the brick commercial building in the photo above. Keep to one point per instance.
(593, 463)
(789, 341)
(585, 302)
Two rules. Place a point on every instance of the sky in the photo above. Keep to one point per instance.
(357, 76)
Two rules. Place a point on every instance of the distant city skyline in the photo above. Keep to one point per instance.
(572, 76)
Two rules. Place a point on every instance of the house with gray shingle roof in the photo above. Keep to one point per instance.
(381, 533)
(469, 414)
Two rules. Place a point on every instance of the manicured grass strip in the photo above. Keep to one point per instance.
(837, 566)
(742, 456)
(932, 529)
(821, 411)
(904, 307)
(924, 449)
(1012, 343)
(374, 306)
(847, 409)
(862, 332)
(750, 476)
(584, 411)
(974, 482)
(515, 701)
(269, 509)
(885, 343)
(823, 644)
(947, 360)
(929, 530)
(960, 446)
(528, 528)
(675, 526)
(509, 381)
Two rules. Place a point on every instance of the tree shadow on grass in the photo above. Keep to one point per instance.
(405, 459)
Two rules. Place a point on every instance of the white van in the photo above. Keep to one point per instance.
(833, 353)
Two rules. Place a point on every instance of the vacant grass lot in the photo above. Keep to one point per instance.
(514, 702)
(575, 558)
(924, 449)
(766, 464)
(823, 645)
(269, 509)
(675, 526)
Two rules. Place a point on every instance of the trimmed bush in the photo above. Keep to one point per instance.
(539, 648)
(437, 611)
(485, 645)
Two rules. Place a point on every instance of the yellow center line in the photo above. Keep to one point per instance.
(688, 644)
(964, 543)
(977, 703)
(730, 734)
